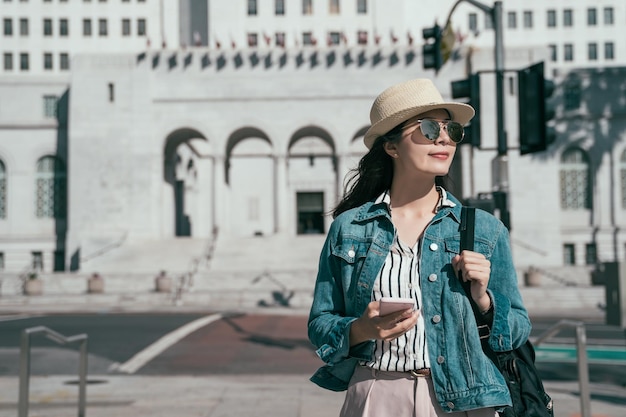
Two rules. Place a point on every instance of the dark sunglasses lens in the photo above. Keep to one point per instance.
(455, 131)
(430, 129)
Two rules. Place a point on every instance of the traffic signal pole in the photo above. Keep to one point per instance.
(501, 161)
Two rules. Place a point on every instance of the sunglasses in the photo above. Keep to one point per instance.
(432, 128)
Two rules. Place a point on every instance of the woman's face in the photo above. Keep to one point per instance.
(415, 154)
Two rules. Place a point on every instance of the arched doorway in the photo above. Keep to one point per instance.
(249, 173)
(187, 169)
(312, 178)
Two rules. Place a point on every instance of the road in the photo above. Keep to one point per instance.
(236, 344)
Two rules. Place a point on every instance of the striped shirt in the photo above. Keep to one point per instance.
(399, 277)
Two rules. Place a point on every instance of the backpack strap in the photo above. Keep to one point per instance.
(468, 221)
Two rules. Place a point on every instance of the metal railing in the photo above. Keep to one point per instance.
(22, 410)
(581, 351)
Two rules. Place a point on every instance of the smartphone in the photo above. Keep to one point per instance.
(390, 305)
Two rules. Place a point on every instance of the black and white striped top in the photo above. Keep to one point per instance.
(399, 277)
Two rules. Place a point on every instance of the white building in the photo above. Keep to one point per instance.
(176, 117)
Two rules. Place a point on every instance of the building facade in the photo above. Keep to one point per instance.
(124, 120)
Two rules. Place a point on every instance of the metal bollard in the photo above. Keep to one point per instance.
(22, 409)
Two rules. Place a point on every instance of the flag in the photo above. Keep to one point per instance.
(410, 38)
(344, 39)
(232, 43)
(268, 39)
(376, 38)
(394, 38)
(447, 42)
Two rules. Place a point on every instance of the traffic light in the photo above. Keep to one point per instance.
(431, 51)
(535, 110)
(470, 88)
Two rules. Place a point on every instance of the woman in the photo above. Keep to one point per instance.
(396, 234)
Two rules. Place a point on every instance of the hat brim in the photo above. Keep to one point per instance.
(459, 112)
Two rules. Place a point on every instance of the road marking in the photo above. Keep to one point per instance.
(19, 317)
(141, 358)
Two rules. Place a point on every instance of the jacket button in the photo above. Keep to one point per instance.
(436, 319)
(432, 277)
(450, 405)
(440, 359)
(433, 246)
(351, 253)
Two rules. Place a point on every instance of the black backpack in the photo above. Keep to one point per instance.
(517, 366)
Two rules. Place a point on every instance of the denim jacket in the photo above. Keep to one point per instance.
(354, 252)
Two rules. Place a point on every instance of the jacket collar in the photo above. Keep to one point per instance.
(449, 205)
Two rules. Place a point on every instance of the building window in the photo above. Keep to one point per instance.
(553, 52)
(64, 61)
(307, 7)
(361, 37)
(280, 39)
(50, 106)
(308, 39)
(592, 18)
(568, 52)
(253, 40)
(592, 51)
(1, 261)
(125, 27)
(63, 27)
(568, 18)
(102, 27)
(569, 254)
(528, 19)
(86, 27)
(23, 27)
(8, 61)
(473, 22)
(50, 188)
(141, 27)
(252, 11)
(608, 16)
(361, 6)
(47, 27)
(279, 7)
(3, 191)
(609, 51)
(488, 21)
(511, 18)
(333, 7)
(591, 254)
(334, 38)
(8, 27)
(575, 180)
(37, 258)
(551, 18)
(24, 64)
(47, 61)
(571, 94)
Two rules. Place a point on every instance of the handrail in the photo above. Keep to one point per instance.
(106, 248)
(25, 365)
(185, 281)
(581, 351)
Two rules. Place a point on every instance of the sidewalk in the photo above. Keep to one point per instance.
(255, 395)
(231, 396)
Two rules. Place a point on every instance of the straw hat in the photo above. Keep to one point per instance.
(403, 101)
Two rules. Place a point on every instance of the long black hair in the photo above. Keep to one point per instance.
(373, 175)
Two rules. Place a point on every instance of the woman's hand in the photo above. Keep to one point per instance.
(475, 268)
(371, 325)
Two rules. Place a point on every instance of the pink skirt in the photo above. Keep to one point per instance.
(375, 393)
